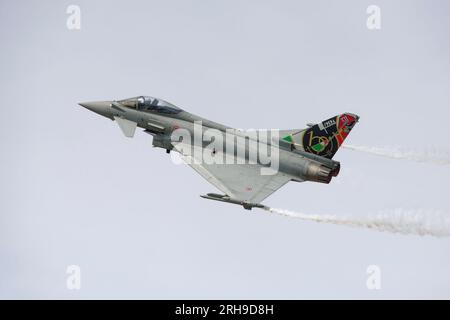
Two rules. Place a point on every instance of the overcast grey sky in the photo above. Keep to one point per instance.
(75, 191)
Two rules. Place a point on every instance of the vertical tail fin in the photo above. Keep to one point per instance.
(324, 138)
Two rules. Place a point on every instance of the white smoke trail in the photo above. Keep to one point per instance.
(418, 222)
(430, 155)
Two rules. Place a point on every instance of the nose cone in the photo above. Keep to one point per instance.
(103, 108)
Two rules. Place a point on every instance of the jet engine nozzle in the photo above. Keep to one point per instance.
(336, 169)
(319, 172)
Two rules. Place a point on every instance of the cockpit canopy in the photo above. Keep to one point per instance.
(146, 103)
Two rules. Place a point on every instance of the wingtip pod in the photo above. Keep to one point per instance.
(225, 198)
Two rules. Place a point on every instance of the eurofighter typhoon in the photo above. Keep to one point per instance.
(246, 165)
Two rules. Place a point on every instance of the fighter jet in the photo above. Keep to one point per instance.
(301, 154)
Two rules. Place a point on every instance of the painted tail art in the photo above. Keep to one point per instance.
(324, 138)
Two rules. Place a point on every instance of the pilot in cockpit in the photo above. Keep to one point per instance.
(146, 103)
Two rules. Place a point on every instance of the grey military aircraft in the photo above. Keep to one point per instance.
(302, 154)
